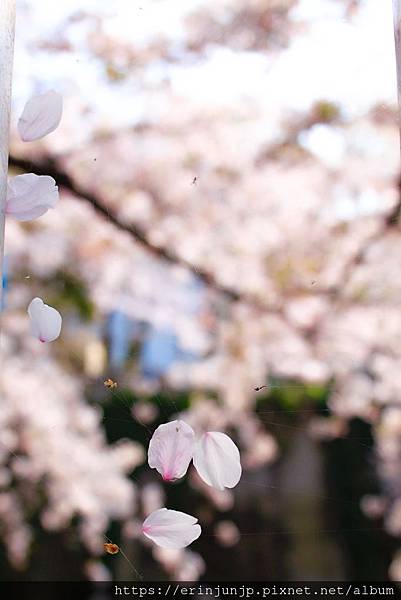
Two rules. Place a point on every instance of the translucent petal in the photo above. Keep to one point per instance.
(171, 449)
(217, 460)
(41, 115)
(45, 320)
(29, 196)
(171, 528)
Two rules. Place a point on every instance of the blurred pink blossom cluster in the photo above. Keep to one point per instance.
(51, 440)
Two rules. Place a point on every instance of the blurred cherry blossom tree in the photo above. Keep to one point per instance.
(228, 175)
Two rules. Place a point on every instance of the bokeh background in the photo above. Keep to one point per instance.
(229, 219)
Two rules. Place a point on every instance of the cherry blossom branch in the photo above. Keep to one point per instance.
(393, 218)
(7, 25)
(49, 166)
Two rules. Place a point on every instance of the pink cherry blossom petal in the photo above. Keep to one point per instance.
(171, 449)
(45, 320)
(41, 116)
(29, 196)
(171, 528)
(217, 460)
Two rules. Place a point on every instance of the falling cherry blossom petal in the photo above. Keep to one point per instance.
(217, 460)
(171, 528)
(29, 196)
(41, 116)
(171, 449)
(45, 320)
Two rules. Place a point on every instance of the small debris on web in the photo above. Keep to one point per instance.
(109, 383)
(257, 389)
(111, 548)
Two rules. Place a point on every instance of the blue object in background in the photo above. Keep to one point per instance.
(120, 330)
(4, 283)
(158, 352)
(160, 347)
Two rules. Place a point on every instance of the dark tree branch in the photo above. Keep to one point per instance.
(389, 222)
(393, 219)
(50, 167)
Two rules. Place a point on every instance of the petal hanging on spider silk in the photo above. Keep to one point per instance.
(45, 320)
(217, 460)
(41, 116)
(171, 449)
(29, 196)
(171, 528)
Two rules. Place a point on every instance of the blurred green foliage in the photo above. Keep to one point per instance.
(69, 292)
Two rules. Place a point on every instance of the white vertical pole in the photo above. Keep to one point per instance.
(7, 25)
(397, 39)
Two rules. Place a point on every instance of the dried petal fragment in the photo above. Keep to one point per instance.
(111, 548)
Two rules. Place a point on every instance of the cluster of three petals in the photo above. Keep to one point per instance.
(29, 196)
(171, 449)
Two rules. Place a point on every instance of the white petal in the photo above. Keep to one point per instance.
(41, 115)
(171, 449)
(45, 320)
(29, 196)
(217, 460)
(171, 528)
(34, 310)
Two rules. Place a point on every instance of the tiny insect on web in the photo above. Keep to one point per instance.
(273, 386)
(112, 548)
(119, 395)
(109, 383)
